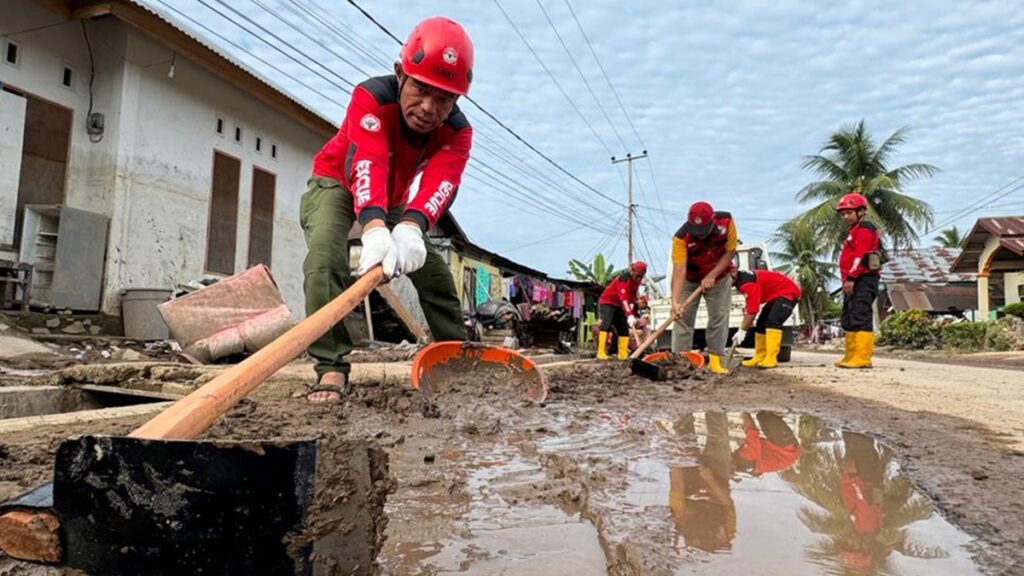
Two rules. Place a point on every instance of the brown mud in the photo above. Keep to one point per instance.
(492, 483)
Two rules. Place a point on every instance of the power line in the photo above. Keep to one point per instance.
(502, 124)
(983, 202)
(582, 76)
(542, 240)
(622, 106)
(553, 79)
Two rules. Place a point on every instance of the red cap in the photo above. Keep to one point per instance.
(640, 267)
(439, 53)
(701, 218)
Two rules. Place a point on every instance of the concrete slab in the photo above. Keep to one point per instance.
(13, 347)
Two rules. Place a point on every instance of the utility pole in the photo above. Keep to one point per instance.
(630, 207)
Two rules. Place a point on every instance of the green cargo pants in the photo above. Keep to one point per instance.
(326, 214)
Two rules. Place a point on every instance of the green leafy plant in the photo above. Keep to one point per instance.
(596, 271)
(912, 329)
(964, 335)
(1014, 309)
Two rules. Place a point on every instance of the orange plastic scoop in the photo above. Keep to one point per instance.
(445, 362)
(695, 358)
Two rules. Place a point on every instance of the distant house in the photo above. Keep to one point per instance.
(994, 250)
(921, 279)
(191, 163)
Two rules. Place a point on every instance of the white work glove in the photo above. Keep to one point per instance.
(631, 321)
(412, 253)
(379, 248)
(739, 336)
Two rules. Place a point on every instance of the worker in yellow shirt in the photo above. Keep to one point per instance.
(702, 255)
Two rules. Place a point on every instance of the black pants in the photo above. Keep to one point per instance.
(774, 314)
(858, 315)
(775, 429)
(613, 319)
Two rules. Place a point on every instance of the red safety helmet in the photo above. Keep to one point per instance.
(640, 267)
(701, 218)
(852, 201)
(439, 53)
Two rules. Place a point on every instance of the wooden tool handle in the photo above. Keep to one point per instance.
(192, 415)
(664, 326)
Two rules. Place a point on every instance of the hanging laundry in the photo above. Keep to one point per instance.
(483, 285)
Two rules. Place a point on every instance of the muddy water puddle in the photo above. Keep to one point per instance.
(758, 493)
(476, 510)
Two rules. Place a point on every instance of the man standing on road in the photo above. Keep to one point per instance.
(780, 295)
(618, 309)
(859, 262)
(702, 256)
(402, 136)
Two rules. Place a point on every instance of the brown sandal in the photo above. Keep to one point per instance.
(341, 390)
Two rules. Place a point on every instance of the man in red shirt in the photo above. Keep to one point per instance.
(702, 253)
(772, 447)
(858, 267)
(618, 309)
(780, 295)
(394, 167)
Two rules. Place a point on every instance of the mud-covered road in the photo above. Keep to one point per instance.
(621, 475)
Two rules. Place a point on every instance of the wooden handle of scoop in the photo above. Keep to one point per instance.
(194, 414)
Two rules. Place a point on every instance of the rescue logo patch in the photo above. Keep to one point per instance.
(370, 123)
(698, 220)
(450, 56)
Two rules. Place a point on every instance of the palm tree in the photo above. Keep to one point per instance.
(817, 478)
(801, 257)
(596, 272)
(949, 238)
(850, 162)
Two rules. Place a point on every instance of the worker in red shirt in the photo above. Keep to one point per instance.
(702, 256)
(780, 295)
(394, 167)
(858, 267)
(618, 310)
(772, 447)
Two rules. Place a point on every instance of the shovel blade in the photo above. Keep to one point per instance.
(440, 362)
(132, 506)
(648, 370)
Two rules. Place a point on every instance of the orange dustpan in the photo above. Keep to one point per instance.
(441, 362)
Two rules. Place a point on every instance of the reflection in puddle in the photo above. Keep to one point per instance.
(778, 494)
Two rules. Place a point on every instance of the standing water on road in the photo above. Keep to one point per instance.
(756, 493)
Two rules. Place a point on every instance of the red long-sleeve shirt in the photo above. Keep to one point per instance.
(769, 286)
(381, 161)
(621, 292)
(766, 455)
(863, 238)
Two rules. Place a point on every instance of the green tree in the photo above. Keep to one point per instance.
(801, 256)
(818, 477)
(851, 162)
(597, 271)
(949, 238)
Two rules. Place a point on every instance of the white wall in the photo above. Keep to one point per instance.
(151, 173)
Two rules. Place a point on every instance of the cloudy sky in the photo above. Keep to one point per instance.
(726, 96)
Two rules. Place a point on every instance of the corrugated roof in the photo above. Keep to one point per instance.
(933, 298)
(926, 265)
(189, 30)
(1003, 226)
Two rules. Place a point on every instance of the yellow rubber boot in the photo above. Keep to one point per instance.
(623, 347)
(602, 345)
(758, 351)
(851, 350)
(715, 364)
(865, 348)
(772, 344)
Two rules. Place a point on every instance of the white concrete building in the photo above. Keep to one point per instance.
(199, 165)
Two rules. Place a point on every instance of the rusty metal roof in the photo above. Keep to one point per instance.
(1009, 230)
(925, 265)
(933, 298)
